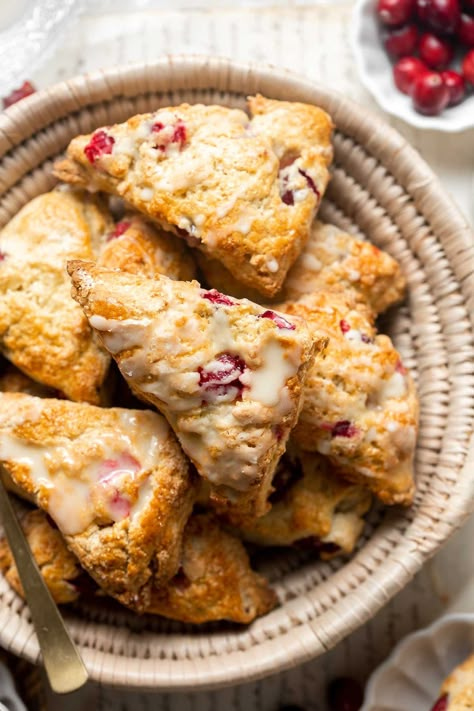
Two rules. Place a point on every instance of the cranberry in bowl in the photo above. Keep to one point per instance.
(390, 87)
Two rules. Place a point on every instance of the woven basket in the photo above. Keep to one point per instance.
(381, 189)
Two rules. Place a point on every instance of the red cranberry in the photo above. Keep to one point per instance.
(400, 368)
(395, 12)
(215, 297)
(223, 380)
(3, 256)
(344, 326)
(26, 89)
(100, 144)
(120, 229)
(401, 42)
(430, 94)
(441, 704)
(288, 197)
(344, 428)
(441, 15)
(468, 67)
(178, 136)
(436, 52)
(456, 86)
(406, 71)
(281, 322)
(310, 181)
(466, 29)
(345, 694)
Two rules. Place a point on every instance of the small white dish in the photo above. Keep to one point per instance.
(375, 70)
(412, 675)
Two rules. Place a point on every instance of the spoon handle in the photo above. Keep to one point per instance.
(64, 667)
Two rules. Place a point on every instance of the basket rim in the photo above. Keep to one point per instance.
(304, 641)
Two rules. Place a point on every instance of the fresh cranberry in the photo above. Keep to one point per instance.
(345, 694)
(224, 379)
(435, 51)
(288, 197)
(456, 86)
(3, 256)
(441, 704)
(281, 322)
(120, 229)
(395, 12)
(401, 42)
(441, 15)
(216, 297)
(100, 144)
(466, 29)
(430, 94)
(26, 89)
(406, 71)
(344, 428)
(468, 67)
(344, 326)
(310, 181)
(178, 136)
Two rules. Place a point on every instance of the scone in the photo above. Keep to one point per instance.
(42, 330)
(214, 581)
(244, 190)
(311, 504)
(58, 566)
(114, 481)
(457, 692)
(331, 260)
(138, 247)
(227, 374)
(13, 380)
(360, 406)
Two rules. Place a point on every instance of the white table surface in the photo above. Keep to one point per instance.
(310, 38)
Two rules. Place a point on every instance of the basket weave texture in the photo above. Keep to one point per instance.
(380, 189)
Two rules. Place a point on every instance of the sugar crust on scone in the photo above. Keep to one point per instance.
(137, 246)
(226, 374)
(313, 504)
(244, 190)
(331, 260)
(114, 481)
(42, 330)
(360, 405)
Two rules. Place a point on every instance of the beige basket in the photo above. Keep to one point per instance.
(380, 188)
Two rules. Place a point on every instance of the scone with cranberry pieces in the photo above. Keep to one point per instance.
(227, 374)
(457, 692)
(242, 188)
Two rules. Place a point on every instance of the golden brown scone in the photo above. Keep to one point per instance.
(311, 503)
(331, 260)
(227, 374)
(215, 581)
(42, 330)
(138, 247)
(114, 481)
(58, 566)
(13, 380)
(244, 190)
(457, 692)
(360, 405)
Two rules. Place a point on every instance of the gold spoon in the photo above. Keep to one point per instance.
(64, 667)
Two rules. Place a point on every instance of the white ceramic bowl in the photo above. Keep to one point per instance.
(412, 675)
(375, 70)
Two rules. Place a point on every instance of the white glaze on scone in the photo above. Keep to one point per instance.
(244, 190)
(226, 374)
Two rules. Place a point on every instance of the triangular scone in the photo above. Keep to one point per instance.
(138, 247)
(360, 405)
(244, 190)
(331, 260)
(312, 504)
(214, 582)
(227, 374)
(114, 481)
(42, 330)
